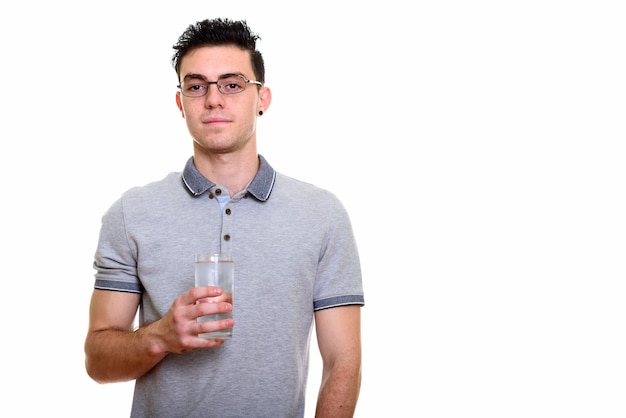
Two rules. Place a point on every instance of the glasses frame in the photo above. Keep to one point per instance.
(197, 76)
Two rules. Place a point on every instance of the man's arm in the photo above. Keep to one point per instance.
(339, 340)
(115, 352)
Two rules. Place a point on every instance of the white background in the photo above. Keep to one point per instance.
(477, 145)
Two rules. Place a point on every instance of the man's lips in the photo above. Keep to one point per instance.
(215, 120)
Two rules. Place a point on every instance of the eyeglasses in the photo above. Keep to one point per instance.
(198, 86)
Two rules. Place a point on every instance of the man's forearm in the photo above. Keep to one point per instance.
(119, 355)
(338, 394)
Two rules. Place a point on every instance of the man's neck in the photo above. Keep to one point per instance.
(232, 170)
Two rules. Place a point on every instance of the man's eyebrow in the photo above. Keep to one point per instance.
(192, 76)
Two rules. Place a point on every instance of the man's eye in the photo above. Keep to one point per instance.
(232, 85)
(196, 87)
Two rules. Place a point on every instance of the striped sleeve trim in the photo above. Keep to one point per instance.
(338, 301)
(118, 286)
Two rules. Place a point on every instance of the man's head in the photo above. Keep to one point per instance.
(221, 91)
(219, 32)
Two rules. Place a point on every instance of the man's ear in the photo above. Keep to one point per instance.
(265, 98)
(179, 104)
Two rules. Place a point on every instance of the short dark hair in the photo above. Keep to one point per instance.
(219, 32)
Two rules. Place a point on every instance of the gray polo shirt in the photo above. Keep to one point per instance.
(294, 253)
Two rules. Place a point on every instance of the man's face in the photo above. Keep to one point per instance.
(220, 123)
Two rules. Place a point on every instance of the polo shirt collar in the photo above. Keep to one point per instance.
(260, 187)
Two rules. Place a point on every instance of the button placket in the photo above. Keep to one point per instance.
(226, 223)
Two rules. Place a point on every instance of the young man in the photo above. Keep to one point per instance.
(296, 262)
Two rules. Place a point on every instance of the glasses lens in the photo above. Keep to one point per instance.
(194, 87)
(231, 84)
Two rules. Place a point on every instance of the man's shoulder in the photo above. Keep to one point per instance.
(294, 185)
(171, 180)
(306, 196)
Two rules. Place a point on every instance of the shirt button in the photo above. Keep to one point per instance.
(226, 237)
(228, 211)
(218, 192)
